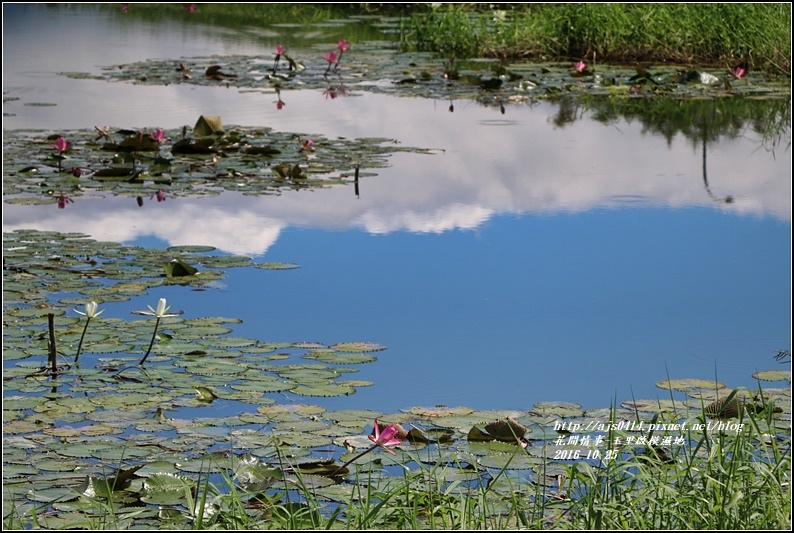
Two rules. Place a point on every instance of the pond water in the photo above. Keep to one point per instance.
(537, 254)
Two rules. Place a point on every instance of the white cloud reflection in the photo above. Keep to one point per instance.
(525, 167)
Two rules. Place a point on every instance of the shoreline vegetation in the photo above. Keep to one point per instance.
(616, 33)
(705, 34)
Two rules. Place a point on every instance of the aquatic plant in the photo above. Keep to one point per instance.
(61, 145)
(279, 103)
(388, 436)
(158, 136)
(342, 46)
(279, 53)
(450, 72)
(159, 313)
(63, 200)
(90, 312)
(738, 72)
(160, 195)
(331, 58)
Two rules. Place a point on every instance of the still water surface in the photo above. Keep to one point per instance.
(522, 262)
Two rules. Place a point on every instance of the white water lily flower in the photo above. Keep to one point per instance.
(160, 312)
(90, 310)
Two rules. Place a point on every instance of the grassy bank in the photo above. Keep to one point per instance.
(704, 34)
(707, 34)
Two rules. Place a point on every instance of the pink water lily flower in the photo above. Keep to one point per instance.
(63, 201)
(738, 72)
(387, 437)
(342, 45)
(331, 58)
(279, 53)
(158, 136)
(580, 66)
(61, 144)
(160, 195)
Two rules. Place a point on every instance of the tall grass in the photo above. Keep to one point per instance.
(714, 33)
(710, 480)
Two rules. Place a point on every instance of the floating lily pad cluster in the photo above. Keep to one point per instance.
(201, 161)
(39, 264)
(110, 427)
(381, 67)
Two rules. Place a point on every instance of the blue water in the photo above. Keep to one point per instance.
(582, 308)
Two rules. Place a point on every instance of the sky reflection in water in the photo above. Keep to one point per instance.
(526, 262)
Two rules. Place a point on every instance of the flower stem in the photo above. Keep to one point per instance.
(156, 324)
(80, 345)
(335, 472)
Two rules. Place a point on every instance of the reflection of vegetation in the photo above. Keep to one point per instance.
(697, 120)
(247, 20)
(256, 161)
(701, 121)
(613, 32)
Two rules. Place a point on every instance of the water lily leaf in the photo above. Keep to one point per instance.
(685, 385)
(15, 471)
(518, 460)
(478, 435)
(194, 147)
(358, 347)
(506, 429)
(334, 357)
(167, 489)
(207, 125)
(120, 453)
(324, 390)
(773, 375)
(178, 268)
(256, 475)
(302, 440)
(113, 172)
(563, 409)
(265, 151)
(286, 412)
(440, 411)
(191, 248)
(300, 425)
(204, 394)
(21, 402)
(50, 495)
(353, 417)
(277, 266)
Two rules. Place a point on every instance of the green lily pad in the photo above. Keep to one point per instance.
(685, 385)
(773, 375)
